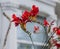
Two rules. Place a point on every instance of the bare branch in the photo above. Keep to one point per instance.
(6, 16)
(5, 40)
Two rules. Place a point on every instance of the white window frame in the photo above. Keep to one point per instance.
(29, 42)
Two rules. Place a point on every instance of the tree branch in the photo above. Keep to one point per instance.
(6, 16)
(9, 27)
(6, 36)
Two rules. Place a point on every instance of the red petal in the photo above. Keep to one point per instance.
(55, 28)
(34, 10)
(54, 41)
(16, 20)
(46, 22)
(13, 16)
(25, 15)
(36, 28)
(33, 6)
(16, 24)
(58, 45)
(58, 32)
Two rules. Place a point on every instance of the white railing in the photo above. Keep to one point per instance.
(29, 42)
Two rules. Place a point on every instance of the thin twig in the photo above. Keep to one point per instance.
(6, 16)
(31, 39)
(48, 40)
(29, 34)
(6, 36)
(5, 40)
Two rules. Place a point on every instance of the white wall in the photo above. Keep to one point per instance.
(0, 28)
(58, 22)
(42, 6)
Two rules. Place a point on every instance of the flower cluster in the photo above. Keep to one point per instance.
(56, 30)
(26, 17)
(46, 23)
(55, 43)
(30, 16)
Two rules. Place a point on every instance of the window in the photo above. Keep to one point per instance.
(23, 40)
(39, 39)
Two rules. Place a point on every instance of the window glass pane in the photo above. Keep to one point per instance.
(29, 46)
(24, 46)
(40, 47)
(40, 37)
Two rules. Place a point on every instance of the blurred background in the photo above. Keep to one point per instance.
(17, 39)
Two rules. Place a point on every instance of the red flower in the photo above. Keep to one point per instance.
(17, 20)
(23, 20)
(36, 28)
(54, 41)
(34, 10)
(25, 16)
(57, 44)
(46, 22)
(58, 32)
(55, 29)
